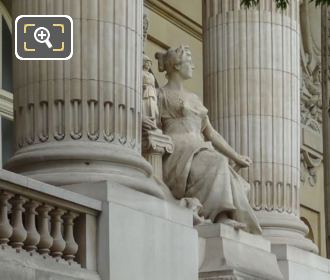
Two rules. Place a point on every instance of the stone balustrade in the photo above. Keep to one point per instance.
(46, 220)
(33, 225)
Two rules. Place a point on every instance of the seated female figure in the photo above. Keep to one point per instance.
(199, 166)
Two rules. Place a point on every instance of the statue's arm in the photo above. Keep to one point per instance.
(222, 146)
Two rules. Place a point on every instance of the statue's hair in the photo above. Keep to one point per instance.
(146, 58)
(168, 60)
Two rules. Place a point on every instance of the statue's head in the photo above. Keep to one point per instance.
(147, 62)
(176, 61)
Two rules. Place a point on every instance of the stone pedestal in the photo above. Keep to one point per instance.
(80, 120)
(251, 66)
(154, 145)
(142, 237)
(236, 255)
(297, 264)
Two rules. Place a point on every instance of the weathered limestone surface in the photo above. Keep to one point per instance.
(80, 120)
(252, 93)
(142, 237)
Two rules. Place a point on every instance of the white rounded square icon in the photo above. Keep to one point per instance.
(43, 37)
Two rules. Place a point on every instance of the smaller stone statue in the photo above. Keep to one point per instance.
(150, 106)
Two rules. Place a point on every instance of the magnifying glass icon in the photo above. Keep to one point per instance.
(42, 35)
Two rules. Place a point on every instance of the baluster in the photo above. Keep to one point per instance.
(33, 237)
(19, 233)
(71, 247)
(46, 241)
(59, 243)
(6, 229)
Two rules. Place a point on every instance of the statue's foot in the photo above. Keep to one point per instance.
(236, 225)
(198, 220)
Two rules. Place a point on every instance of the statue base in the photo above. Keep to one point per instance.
(236, 255)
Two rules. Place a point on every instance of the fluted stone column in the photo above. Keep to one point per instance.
(252, 92)
(80, 120)
(325, 19)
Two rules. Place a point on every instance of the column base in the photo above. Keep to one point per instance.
(283, 228)
(299, 264)
(67, 163)
(236, 255)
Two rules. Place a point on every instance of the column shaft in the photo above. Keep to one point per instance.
(80, 120)
(325, 19)
(252, 92)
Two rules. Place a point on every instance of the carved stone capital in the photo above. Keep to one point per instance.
(154, 141)
(154, 145)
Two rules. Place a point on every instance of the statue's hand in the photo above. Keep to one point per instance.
(148, 123)
(243, 161)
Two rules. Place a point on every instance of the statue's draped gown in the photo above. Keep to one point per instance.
(195, 168)
(150, 107)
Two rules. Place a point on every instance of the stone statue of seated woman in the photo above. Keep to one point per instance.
(198, 167)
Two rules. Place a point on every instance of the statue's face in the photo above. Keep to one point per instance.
(147, 64)
(186, 67)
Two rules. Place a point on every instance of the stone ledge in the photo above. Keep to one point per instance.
(216, 230)
(24, 183)
(130, 198)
